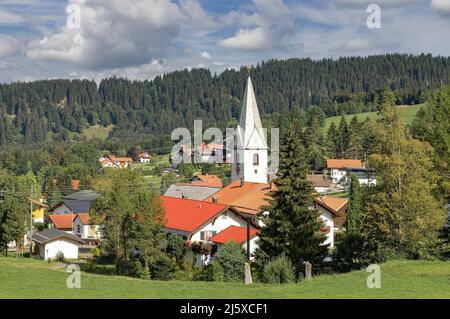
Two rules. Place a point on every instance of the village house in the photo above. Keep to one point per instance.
(338, 168)
(336, 206)
(115, 162)
(75, 203)
(83, 228)
(200, 221)
(51, 242)
(365, 176)
(321, 184)
(38, 212)
(144, 157)
(63, 222)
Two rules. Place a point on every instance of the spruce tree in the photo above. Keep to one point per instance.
(354, 206)
(292, 226)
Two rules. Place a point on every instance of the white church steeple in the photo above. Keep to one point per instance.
(250, 158)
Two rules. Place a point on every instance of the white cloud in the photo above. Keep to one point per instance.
(246, 39)
(113, 34)
(205, 55)
(443, 6)
(8, 45)
(266, 28)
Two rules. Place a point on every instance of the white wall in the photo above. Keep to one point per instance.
(248, 171)
(86, 231)
(327, 217)
(226, 219)
(68, 247)
(337, 174)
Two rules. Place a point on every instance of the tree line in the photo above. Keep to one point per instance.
(53, 109)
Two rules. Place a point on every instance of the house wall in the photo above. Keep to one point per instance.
(86, 231)
(66, 246)
(220, 223)
(337, 174)
(63, 209)
(327, 217)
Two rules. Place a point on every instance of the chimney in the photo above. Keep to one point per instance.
(215, 200)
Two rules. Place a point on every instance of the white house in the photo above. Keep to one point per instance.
(338, 168)
(83, 228)
(115, 162)
(51, 242)
(144, 157)
(365, 177)
(200, 221)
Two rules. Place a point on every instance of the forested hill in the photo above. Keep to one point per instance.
(36, 111)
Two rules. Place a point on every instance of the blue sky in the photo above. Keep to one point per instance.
(143, 38)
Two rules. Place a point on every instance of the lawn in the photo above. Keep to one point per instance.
(406, 113)
(97, 131)
(25, 278)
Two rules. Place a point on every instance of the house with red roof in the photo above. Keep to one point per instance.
(62, 222)
(200, 221)
(338, 168)
(82, 227)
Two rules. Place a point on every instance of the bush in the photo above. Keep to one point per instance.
(95, 252)
(60, 256)
(162, 268)
(353, 253)
(232, 259)
(214, 272)
(279, 271)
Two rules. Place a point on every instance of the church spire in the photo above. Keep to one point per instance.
(250, 120)
(250, 163)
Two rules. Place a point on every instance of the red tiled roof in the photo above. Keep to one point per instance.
(332, 204)
(234, 233)
(246, 199)
(342, 163)
(187, 214)
(121, 159)
(75, 183)
(85, 218)
(62, 221)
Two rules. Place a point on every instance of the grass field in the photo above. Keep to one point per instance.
(407, 115)
(98, 131)
(25, 278)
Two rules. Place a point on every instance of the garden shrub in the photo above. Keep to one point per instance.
(232, 259)
(162, 268)
(60, 257)
(279, 271)
(214, 272)
(95, 252)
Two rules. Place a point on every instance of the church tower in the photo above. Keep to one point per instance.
(250, 162)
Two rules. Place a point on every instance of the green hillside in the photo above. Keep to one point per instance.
(25, 278)
(407, 114)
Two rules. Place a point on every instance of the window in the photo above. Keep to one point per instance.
(206, 235)
(255, 159)
(78, 229)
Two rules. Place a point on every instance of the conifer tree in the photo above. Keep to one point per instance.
(292, 226)
(353, 212)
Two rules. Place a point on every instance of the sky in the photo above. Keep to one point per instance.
(139, 39)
